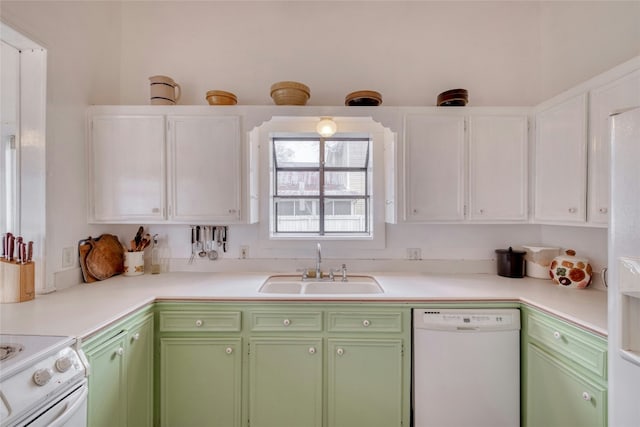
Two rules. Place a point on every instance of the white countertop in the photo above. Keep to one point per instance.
(81, 311)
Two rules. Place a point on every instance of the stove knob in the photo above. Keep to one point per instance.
(42, 376)
(63, 364)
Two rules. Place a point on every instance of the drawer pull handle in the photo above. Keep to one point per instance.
(286, 322)
(573, 210)
(603, 210)
(228, 350)
(366, 323)
(340, 352)
(586, 396)
(199, 323)
(557, 335)
(120, 351)
(312, 350)
(136, 336)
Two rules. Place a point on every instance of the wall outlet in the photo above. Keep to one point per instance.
(244, 252)
(414, 253)
(67, 257)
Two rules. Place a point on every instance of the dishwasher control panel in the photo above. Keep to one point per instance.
(467, 319)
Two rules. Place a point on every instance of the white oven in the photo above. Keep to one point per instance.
(42, 382)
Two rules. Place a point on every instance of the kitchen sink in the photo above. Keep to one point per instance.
(295, 285)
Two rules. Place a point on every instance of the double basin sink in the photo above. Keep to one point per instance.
(296, 285)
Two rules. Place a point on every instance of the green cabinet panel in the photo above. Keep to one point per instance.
(365, 382)
(559, 397)
(285, 382)
(107, 387)
(121, 373)
(200, 382)
(139, 361)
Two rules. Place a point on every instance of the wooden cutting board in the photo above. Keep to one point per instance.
(101, 258)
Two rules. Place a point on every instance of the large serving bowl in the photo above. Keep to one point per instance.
(290, 93)
(220, 97)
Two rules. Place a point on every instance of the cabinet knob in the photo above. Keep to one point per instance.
(366, 323)
(388, 202)
(340, 351)
(136, 336)
(603, 210)
(286, 322)
(228, 350)
(415, 211)
(573, 210)
(120, 351)
(481, 211)
(199, 323)
(557, 335)
(586, 396)
(312, 350)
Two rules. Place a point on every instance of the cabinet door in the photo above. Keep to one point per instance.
(139, 359)
(127, 169)
(561, 163)
(285, 382)
(200, 382)
(205, 168)
(498, 168)
(435, 165)
(107, 402)
(364, 383)
(622, 93)
(558, 397)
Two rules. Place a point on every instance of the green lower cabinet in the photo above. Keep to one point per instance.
(364, 382)
(121, 375)
(107, 401)
(559, 397)
(285, 382)
(200, 382)
(139, 363)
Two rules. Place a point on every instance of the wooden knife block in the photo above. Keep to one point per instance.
(16, 281)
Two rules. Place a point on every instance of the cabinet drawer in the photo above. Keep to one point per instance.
(195, 321)
(364, 322)
(263, 321)
(576, 345)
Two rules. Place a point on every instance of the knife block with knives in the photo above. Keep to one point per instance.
(17, 270)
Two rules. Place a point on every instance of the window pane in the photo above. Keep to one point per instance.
(346, 216)
(345, 183)
(292, 153)
(348, 154)
(296, 183)
(297, 216)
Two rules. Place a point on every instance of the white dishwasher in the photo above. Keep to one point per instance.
(466, 367)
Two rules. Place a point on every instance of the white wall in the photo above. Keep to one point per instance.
(582, 39)
(408, 51)
(82, 41)
(504, 53)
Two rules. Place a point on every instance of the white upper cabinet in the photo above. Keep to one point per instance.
(560, 174)
(434, 168)
(441, 185)
(619, 94)
(126, 155)
(204, 165)
(150, 165)
(498, 168)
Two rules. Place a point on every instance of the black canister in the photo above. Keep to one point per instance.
(510, 262)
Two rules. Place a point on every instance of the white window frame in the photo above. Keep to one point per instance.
(348, 127)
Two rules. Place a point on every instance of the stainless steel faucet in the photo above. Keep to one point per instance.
(318, 262)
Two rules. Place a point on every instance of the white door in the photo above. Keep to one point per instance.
(205, 168)
(434, 168)
(498, 168)
(127, 168)
(561, 162)
(622, 93)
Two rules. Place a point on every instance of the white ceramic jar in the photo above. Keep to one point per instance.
(571, 271)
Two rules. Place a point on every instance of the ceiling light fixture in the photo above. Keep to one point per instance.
(326, 127)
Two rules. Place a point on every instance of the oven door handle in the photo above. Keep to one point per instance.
(71, 409)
